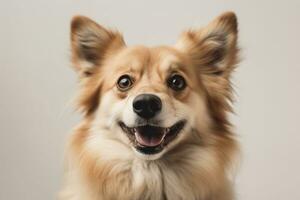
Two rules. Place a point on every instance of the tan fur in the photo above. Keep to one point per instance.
(101, 165)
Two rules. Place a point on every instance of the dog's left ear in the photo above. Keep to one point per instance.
(214, 52)
(213, 48)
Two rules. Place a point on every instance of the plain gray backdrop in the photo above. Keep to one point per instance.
(37, 84)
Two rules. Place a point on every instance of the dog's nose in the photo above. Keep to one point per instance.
(147, 105)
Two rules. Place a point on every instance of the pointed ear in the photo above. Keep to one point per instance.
(213, 51)
(213, 48)
(91, 43)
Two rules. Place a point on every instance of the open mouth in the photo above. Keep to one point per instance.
(150, 139)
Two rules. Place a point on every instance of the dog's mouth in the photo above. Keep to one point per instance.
(149, 139)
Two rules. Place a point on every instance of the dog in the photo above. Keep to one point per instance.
(155, 119)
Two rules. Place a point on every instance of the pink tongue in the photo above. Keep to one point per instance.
(149, 140)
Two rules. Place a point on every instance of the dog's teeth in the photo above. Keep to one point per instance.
(163, 137)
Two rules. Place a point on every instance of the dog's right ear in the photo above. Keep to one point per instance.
(91, 43)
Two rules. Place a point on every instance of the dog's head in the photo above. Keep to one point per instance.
(152, 100)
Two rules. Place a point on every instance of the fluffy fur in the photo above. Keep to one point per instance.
(101, 163)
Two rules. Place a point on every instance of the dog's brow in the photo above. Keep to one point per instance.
(135, 70)
(130, 68)
(177, 67)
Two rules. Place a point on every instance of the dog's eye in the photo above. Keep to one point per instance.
(176, 82)
(124, 82)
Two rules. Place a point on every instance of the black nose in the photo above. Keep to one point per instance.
(147, 105)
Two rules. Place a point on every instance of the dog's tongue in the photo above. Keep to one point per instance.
(149, 135)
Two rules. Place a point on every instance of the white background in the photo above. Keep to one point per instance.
(37, 83)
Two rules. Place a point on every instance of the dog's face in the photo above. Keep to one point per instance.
(149, 97)
(152, 100)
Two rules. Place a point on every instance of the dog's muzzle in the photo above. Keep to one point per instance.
(147, 135)
(149, 139)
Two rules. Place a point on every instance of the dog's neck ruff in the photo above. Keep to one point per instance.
(187, 173)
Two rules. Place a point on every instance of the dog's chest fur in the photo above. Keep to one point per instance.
(152, 180)
(136, 180)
